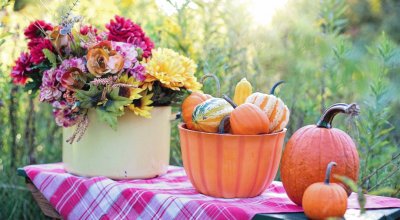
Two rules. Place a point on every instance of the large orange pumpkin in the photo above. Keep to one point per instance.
(312, 147)
(188, 106)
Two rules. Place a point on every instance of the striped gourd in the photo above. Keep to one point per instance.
(208, 115)
(242, 90)
(278, 113)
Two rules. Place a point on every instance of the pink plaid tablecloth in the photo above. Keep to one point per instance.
(170, 196)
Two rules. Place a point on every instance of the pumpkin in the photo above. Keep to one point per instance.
(242, 90)
(208, 115)
(324, 199)
(247, 119)
(313, 146)
(188, 106)
(277, 112)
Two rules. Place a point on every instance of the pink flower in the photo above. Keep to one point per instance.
(50, 90)
(124, 30)
(36, 47)
(86, 29)
(64, 115)
(37, 29)
(22, 68)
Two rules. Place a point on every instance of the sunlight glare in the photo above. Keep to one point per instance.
(264, 10)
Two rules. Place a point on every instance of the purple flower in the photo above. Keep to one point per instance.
(63, 114)
(128, 51)
(138, 71)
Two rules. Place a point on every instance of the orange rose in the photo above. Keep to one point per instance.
(97, 60)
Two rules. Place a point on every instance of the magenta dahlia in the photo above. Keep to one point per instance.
(124, 30)
(36, 47)
(22, 68)
(88, 29)
(37, 29)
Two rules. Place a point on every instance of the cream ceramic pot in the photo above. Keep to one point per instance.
(139, 148)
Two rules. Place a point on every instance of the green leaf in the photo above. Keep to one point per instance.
(90, 98)
(33, 85)
(111, 118)
(51, 57)
(115, 102)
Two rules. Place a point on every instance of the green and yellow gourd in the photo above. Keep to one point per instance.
(242, 90)
(208, 115)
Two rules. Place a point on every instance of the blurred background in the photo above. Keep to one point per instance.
(327, 51)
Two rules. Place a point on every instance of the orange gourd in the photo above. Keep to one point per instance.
(188, 106)
(194, 99)
(324, 199)
(247, 119)
(312, 147)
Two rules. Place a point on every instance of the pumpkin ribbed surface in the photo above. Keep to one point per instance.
(249, 119)
(278, 113)
(230, 166)
(307, 153)
(208, 115)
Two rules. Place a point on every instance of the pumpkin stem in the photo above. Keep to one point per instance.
(229, 100)
(223, 124)
(326, 119)
(210, 75)
(328, 172)
(272, 91)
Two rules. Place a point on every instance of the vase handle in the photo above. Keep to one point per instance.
(175, 116)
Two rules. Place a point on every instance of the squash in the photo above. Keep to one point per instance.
(323, 200)
(246, 119)
(277, 112)
(242, 90)
(313, 146)
(208, 115)
(188, 106)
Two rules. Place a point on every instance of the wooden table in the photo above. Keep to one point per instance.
(379, 214)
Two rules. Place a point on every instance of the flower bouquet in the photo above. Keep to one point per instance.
(113, 76)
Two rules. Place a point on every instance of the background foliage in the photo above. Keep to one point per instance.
(327, 51)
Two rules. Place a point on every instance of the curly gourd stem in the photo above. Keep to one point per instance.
(210, 75)
(272, 91)
(223, 124)
(328, 172)
(229, 100)
(326, 119)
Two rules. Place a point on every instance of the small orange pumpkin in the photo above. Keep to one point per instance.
(324, 199)
(188, 106)
(247, 119)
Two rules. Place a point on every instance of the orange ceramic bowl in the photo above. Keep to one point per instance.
(230, 166)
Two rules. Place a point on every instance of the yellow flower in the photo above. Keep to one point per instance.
(142, 106)
(174, 71)
(130, 92)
